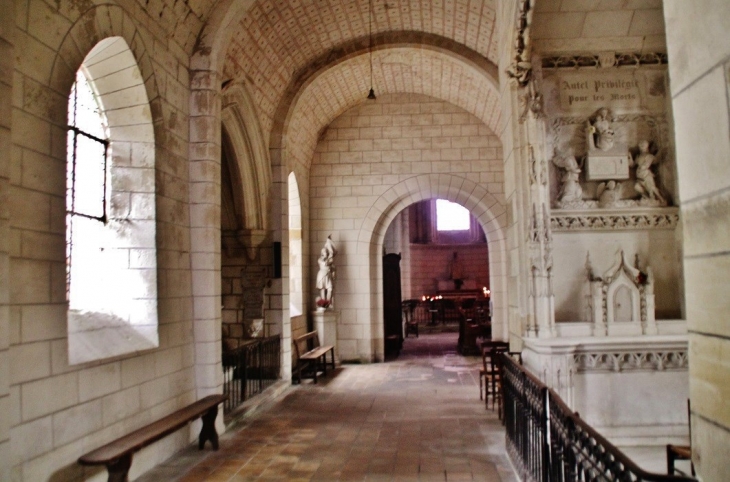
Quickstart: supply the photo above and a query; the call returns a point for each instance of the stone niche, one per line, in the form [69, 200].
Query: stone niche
[621, 301]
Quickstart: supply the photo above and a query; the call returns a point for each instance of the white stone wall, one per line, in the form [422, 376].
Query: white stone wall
[421, 145]
[597, 25]
[56, 412]
[656, 248]
[6, 83]
[699, 51]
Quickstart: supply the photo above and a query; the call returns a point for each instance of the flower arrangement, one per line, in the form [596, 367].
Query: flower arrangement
[322, 303]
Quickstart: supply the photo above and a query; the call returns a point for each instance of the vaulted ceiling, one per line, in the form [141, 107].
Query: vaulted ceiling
[279, 49]
[277, 42]
[396, 70]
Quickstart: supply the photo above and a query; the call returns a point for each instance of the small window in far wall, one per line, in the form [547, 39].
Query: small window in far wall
[451, 216]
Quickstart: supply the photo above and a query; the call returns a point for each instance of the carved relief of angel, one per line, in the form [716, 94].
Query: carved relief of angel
[645, 184]
[570, 189]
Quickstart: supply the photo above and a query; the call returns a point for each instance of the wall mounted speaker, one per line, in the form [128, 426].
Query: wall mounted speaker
[277, 259]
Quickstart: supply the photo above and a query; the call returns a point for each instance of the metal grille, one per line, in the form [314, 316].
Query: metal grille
[250, 369]
[86, 164]
[548, 442]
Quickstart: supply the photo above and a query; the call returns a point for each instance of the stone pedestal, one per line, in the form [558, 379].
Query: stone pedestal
[325, 322]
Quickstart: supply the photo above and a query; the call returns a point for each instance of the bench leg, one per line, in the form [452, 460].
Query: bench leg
[332, 353]
[119, 469]
[208, 431]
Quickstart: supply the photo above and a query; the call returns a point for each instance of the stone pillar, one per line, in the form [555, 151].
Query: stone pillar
[325, 322]
[6, 82]
[698, 48]
[539, 236]
[205, 234]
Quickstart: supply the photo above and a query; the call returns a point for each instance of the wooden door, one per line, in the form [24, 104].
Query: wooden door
[392, 310]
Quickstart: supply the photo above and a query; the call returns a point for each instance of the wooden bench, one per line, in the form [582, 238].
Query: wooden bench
[117, 455]
[311, 357]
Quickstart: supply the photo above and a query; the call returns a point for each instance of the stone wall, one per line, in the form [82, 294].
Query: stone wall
[574, 26]
[6, 86]
[57, 411]
[699, 68]
[243, 284]
[369, 150]
[430, 264]
[656, 248]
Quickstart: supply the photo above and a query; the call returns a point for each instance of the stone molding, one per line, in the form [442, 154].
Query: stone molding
[658, 218]
[634, 360]
[602, 60]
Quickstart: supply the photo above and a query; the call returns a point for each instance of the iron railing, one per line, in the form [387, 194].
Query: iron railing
[250, 369]
[548, 442]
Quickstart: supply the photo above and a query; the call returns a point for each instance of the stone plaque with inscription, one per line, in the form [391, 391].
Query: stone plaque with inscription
[624, 90]
[604, 167]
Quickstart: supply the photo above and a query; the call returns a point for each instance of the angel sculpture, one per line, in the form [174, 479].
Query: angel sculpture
[609, 194]
[570, 189]
[645, 184]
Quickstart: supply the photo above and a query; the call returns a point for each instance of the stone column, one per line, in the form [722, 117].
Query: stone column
[6, 82]
[205, 234]
[539, 235]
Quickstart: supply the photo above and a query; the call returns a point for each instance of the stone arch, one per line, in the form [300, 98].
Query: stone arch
[282, 160]
[361, 47]
[213, 40]
[93, 26]
[483, 205]
[238, 118]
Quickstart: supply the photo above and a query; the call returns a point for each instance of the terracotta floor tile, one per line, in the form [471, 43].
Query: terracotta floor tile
[417, 418]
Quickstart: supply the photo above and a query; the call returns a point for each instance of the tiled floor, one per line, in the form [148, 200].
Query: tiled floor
[418, 418]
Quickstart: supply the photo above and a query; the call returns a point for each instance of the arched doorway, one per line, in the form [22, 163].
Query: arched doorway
[438, 251]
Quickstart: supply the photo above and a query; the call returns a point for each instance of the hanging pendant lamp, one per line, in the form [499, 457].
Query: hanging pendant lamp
[371, 94]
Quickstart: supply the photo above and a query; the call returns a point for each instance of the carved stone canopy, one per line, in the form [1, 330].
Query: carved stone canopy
[621, 302]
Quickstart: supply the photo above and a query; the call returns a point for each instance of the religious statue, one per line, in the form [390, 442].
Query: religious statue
[600, 133]
[570, 189]
[456, 271]
[645, 184]
[326, 273]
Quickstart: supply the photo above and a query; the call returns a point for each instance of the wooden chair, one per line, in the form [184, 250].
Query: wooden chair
[681, 452]
[490, 373]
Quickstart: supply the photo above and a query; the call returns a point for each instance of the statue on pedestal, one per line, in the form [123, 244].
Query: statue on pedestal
[326, 274]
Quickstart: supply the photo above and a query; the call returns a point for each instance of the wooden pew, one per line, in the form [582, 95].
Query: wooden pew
[117, 454]
[311, 357]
